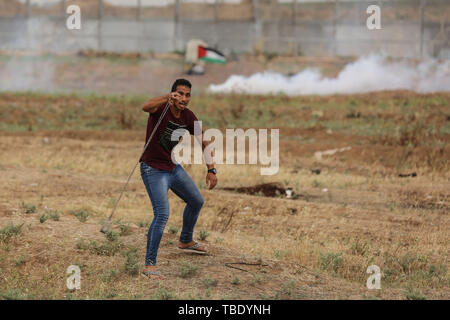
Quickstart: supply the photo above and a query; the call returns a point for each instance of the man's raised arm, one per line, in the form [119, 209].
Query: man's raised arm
[154, 103]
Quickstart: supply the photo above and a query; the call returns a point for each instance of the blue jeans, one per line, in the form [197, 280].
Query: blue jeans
[158, 182]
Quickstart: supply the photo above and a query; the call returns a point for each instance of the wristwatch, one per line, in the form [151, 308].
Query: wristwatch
[213, 170]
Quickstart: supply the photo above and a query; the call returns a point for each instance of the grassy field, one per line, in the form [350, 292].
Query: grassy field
[64, 159]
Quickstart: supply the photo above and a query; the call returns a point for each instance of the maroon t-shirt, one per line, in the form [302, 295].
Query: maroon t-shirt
[157, 154]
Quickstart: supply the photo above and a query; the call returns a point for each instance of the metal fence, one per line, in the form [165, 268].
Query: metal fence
[413, 28]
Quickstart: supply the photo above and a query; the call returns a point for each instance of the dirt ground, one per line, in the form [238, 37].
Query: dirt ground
[369, 175]
[349, 210]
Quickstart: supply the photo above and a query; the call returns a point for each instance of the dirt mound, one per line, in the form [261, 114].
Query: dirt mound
[272, 189]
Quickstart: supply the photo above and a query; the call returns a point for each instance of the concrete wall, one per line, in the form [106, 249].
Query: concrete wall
[400, 39]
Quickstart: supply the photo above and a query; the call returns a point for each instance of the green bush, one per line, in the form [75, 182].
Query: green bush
[43, 218]
[107, 248]
[187, 270]
[112, 236]
[9, 231]
[163, 294]
[52, 214]
[173, 230]
[13, 294]
[131, 262]
[124, 229]
[110, 275]
[82, 214]
[204, 234]
[412, 294]
[28, 207]
[331, 261]
[208, 282]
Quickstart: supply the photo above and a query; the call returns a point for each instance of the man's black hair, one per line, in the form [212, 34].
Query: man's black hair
[181, 82]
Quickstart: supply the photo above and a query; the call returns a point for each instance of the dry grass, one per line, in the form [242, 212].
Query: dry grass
[317, 246]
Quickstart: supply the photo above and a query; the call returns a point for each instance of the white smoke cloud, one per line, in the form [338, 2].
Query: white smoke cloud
[367, 74]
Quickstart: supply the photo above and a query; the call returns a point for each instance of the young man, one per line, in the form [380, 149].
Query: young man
[160, 174]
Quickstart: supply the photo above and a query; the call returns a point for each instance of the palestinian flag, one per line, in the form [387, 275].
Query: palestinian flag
[211, 55]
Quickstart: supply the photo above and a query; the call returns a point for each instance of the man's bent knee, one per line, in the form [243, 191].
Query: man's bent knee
[197, 202]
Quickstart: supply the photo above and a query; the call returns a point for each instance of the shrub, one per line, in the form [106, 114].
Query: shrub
[163, 294]
[173, 230]
[13, 294]
[288, 288]
[112, 236]
[144, 224]
[124, 229]
[330, 261]
[19, 261]
[208, 282]
[52, 214]
[82, 214]
[411, 294]
[204, 234]
[28, 207]
[110, 275]
[9, 231]
[187, 270]
[131, 262]
[43, 218]
[107, 248]
[82, 245]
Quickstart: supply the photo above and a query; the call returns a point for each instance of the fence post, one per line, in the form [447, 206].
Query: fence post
[139, 8]
[27, 9]
[255, 10]
[27, 23]
[99, 30]
[177, 19]
[423, 4]
[216, 10]
[335, 21]
[63, 3]
[258, 42]
[294, 11]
